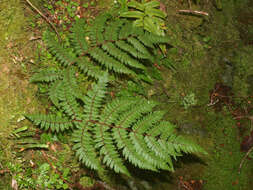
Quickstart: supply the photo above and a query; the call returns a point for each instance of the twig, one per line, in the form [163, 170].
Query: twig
[194, 12]
[43, 16]
[243, 159]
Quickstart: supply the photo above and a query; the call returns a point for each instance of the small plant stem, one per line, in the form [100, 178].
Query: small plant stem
[243, 159]
[43, 16]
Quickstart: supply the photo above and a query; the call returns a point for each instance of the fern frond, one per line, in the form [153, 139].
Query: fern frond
[95, 32]
[132, 51]
[108, 45]
[70, 81]
[142, 148]
[52, 122]
[143, 125]
[112, 30]
[122, 56]
[103, 137]
[125, 129]
[182, 144]
[137, 137]
[64, 95]
[46, 75]
[87, 66]
[69, 103]
[110, 63]
[155, 39]
[79, 38]
[66, 58]
[139, 46]
[54, 91]
[159, 145]
[84, 147]
[126, 30]
[121, 136]
[93, 99]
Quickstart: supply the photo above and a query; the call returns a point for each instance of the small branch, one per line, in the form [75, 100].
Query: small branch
[194, 12]
[43, 16]
[243, 159]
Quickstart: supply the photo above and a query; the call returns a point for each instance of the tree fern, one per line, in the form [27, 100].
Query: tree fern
[126, 128]
[106, 45]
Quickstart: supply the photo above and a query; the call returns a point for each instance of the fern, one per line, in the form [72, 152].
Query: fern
[147, 15]
[126, 128]
[107, 45]
[46, 75]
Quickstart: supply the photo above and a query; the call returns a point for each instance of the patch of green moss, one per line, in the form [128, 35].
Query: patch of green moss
[87, 181]
[243, 84]
[16, 94]
[198, 54]
[222, 170]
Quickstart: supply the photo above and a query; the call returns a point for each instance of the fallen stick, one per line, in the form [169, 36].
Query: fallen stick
[194, 12]
[43, 16]
[244, 158]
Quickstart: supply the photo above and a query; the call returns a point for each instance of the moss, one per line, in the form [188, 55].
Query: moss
[87, 181]
[16, 95]
[243, 70]
[198, 54]
[222, 170]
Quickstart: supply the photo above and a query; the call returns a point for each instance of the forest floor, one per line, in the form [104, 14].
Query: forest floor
[213, 60]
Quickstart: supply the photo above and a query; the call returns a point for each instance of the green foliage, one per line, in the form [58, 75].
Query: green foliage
[189, 100]
[131, 89]
[24, 139]
[63, 12]
[123, 5]
[23, 179]
[226, 153]
[43, 177]
[147, 15]
[51, 180]
[126, 128]
[107, 45]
